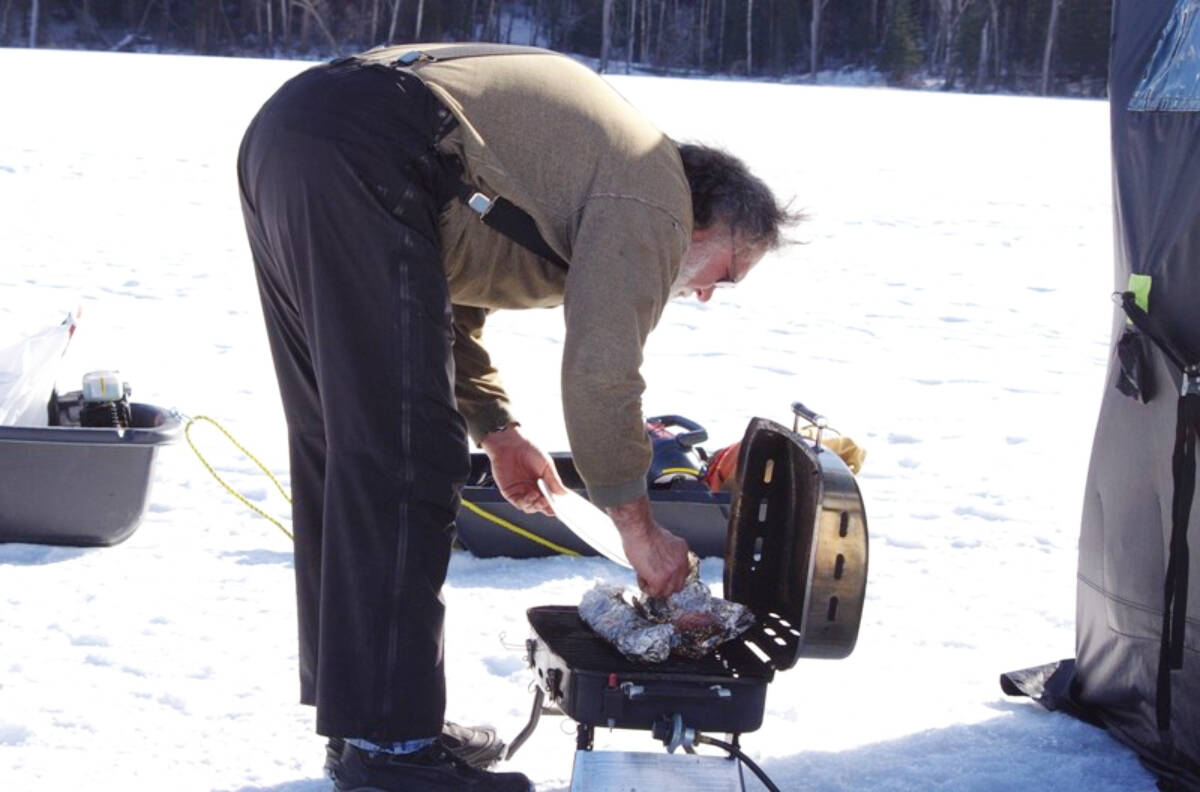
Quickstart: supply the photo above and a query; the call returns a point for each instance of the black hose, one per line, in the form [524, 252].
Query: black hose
[746, 760]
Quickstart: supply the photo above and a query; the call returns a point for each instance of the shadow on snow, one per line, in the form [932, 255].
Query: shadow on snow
[38, 555]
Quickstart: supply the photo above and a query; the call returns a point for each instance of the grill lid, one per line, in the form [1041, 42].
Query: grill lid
[796, 550]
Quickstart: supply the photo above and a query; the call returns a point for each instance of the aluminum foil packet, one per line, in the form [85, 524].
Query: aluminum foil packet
[690, 623]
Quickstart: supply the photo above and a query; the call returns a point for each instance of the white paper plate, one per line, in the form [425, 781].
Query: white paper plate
[588, 523]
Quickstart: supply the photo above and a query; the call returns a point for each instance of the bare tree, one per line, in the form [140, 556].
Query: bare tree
[949, 15]
[605, 33]
[721, 38]
[662, 26]
[285, 21]
[647, 25]
[994, 41]
[749, 37]
[420, 14]
[270, 22]
[814, 32]
[33, 23]
[314, 14]
[982, 68]
[492, 27]
[391, 36]
[629, 41]
[1048, 52]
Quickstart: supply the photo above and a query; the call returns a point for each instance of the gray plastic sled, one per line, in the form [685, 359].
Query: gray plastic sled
[69, 485]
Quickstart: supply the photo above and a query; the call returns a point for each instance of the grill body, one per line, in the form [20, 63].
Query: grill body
[795, 554]
[593, 684]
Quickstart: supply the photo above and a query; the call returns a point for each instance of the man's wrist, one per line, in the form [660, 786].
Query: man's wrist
[499, 434]
[632, 519]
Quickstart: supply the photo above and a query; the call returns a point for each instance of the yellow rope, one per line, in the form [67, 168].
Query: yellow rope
[689, 471]
[530, 535]
[187, 432]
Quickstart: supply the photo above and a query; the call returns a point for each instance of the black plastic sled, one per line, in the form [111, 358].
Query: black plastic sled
[489, 526]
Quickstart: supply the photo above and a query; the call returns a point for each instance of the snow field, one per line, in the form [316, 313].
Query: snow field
[949, 310]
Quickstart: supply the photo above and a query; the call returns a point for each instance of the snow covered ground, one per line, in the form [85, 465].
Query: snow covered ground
[950, 311]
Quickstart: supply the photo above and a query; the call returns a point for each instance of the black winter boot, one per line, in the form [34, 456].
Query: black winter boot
[430, 769]
[478, 746]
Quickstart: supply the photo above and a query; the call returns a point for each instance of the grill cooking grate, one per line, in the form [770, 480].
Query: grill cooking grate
[561, 629]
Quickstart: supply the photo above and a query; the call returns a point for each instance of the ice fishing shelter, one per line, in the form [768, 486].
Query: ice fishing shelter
[1137, 664]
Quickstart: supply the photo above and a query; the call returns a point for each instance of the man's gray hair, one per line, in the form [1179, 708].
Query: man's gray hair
[724, 190]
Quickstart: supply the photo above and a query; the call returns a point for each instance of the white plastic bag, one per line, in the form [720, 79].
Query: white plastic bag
[27, 373]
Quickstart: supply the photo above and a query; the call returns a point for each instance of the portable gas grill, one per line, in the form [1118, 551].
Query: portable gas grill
[795, 554]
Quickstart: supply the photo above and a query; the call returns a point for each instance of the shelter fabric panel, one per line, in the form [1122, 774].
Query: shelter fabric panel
[1127, 519]
[1172, 79]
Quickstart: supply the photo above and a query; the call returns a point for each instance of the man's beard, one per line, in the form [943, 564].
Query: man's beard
[694, 261]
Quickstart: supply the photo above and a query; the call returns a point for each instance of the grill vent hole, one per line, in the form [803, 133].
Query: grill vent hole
[833, 606]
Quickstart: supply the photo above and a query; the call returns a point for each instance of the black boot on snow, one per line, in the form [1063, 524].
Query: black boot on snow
[430, 769]
[478, 746]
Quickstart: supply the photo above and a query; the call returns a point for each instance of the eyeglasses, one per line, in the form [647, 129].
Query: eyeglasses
[730, 280]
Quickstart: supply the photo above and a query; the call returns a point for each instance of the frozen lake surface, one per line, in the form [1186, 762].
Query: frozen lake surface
[949, 310]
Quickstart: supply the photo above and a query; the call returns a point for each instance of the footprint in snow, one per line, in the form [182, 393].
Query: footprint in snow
[89, 640]
[503, 666]
[12, 734]
[174, 702]
[904, 544]
[901, 439]
[971, 511]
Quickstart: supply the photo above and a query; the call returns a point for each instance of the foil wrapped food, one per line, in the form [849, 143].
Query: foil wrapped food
[690, 623]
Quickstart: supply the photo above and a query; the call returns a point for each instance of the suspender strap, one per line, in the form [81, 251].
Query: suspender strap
[1183, 469]
[500, 214]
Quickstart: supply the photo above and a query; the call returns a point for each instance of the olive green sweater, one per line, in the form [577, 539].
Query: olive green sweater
[608, 193]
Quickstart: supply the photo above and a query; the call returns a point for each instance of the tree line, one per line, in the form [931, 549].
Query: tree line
[1041, 46]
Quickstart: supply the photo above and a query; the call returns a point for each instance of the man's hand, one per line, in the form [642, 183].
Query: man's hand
[659, 557]
[517, 464]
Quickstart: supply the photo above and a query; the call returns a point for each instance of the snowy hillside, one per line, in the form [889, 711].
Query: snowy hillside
[950, 311]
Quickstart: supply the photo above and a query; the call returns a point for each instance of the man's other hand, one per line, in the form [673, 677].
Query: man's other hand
[517, 464]
[659, 557]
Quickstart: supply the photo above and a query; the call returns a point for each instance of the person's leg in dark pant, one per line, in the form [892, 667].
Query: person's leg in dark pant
[341, 211]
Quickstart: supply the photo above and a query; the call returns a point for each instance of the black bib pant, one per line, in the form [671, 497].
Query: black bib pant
[338, 177]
